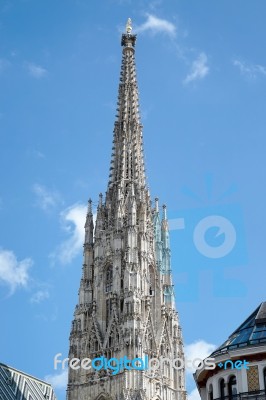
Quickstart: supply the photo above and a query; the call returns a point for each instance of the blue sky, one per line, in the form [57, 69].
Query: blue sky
[202, 79]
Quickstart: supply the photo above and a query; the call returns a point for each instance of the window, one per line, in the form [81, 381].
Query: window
[242, 336]
[151, 281]
[222, 387]
[264, 378]
[232, 388]
[210, 392]
[259, 332]
[166, 369]
[151, 292]
[109, 279]
[108, 311]
[93, 343]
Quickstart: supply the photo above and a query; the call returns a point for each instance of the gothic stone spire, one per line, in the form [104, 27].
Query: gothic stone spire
[126, 305]
[127, 163]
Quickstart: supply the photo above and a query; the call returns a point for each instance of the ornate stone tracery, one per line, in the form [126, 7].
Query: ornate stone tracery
[126, 301]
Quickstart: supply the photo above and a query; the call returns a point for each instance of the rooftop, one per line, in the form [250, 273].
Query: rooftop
[251, 332]
[16, 384]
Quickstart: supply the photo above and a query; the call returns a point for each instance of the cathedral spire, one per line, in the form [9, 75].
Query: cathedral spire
[89, 225]
[127, 163]
[126, 307]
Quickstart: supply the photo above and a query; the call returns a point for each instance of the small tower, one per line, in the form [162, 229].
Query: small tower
[126, 305]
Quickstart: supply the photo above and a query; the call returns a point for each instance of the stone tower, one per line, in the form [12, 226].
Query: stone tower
[126, 305]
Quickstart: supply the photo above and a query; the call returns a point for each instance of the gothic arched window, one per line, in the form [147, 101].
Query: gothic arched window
[93, 343]
[108, 311]
[151, 281]
[222, 387]
[210, 392]
[232, 387]
[109, 279]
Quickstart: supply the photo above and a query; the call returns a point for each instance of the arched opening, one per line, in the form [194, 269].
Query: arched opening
[151, 281]
[232, 387]
[222, 388]
[108, 311]
[103, 397]
[150, 342]
[109, 279]
[210, 392]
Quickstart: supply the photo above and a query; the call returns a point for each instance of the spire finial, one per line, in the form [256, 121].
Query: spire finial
[164, 212]
[100, 200]
[129, 26]
[156, 204]
[89, 206]
[128, 40]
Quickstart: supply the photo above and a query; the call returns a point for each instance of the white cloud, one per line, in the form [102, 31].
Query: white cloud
[58, 381]
[199, 349]
[154, 4]
[46, 199]
[14, 273]
[39, 296]
[73, 219]
[250, 70]
[157, 25]
[199, 69]
[194, 395]
[36, 71]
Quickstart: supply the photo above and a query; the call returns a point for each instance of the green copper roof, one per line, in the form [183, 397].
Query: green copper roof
[252, 332]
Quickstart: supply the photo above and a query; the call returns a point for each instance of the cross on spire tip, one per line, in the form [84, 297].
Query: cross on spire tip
[129, 26]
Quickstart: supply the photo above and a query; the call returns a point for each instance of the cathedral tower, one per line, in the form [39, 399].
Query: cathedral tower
[126, 307]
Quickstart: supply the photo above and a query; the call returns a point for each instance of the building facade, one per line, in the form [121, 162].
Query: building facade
[240, 371]
[126, 300]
